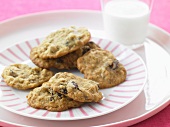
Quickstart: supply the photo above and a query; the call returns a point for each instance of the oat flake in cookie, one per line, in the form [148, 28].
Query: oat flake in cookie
[21, 76]
[45, 98]
[101, 66]
[63, 41]
[77, 88]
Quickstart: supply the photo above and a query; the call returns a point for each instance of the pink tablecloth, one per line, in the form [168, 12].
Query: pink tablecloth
[160, 16]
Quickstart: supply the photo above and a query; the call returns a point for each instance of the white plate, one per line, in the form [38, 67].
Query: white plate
[113, 98]
[31, 26]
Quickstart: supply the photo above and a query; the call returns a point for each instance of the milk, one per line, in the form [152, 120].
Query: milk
[126, 21]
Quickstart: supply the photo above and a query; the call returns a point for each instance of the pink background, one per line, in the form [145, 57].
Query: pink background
[11, 8]
[160, 16]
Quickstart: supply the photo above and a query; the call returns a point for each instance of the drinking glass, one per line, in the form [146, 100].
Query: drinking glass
[126, 21]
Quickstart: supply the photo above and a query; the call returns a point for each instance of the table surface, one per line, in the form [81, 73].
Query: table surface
[160, 16]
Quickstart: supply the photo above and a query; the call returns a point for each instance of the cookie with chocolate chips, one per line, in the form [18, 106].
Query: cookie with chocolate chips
[68, 61]
[77, 88]
[45, 98]
[63, 41]
[101, 66]
[21, 76]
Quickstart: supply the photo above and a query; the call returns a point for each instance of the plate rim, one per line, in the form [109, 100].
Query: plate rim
[86, 117]
[162, 105]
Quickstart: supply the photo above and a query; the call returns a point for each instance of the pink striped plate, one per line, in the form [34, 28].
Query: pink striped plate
[114, 98]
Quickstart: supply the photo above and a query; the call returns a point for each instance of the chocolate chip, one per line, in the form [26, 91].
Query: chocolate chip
[12, 73]
[51, 98]
[64, 91]
[50, 91]
[67, 43]
[75, 84]
[86, 49]
[62, 84]
[114, 65]
[59, 95]
[79, 38]
[91, 42]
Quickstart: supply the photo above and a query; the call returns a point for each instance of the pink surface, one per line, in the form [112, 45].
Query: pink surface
[160, 16]
[12, 8]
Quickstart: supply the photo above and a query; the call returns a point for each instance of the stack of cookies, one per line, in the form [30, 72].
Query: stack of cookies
[62, 48]
[66, 48]
[70, 48]
[57, 92]
[63, 91]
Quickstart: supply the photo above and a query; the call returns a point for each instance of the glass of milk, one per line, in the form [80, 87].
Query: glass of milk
[126, 21]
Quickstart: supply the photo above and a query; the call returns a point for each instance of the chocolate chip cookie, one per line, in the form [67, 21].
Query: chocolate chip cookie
[77, 88]
[68, 61]
[101, 66]
[21, 76]
[63, 41]
[45, 98]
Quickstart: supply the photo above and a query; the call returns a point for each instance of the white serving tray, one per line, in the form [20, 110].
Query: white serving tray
[155, 53]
